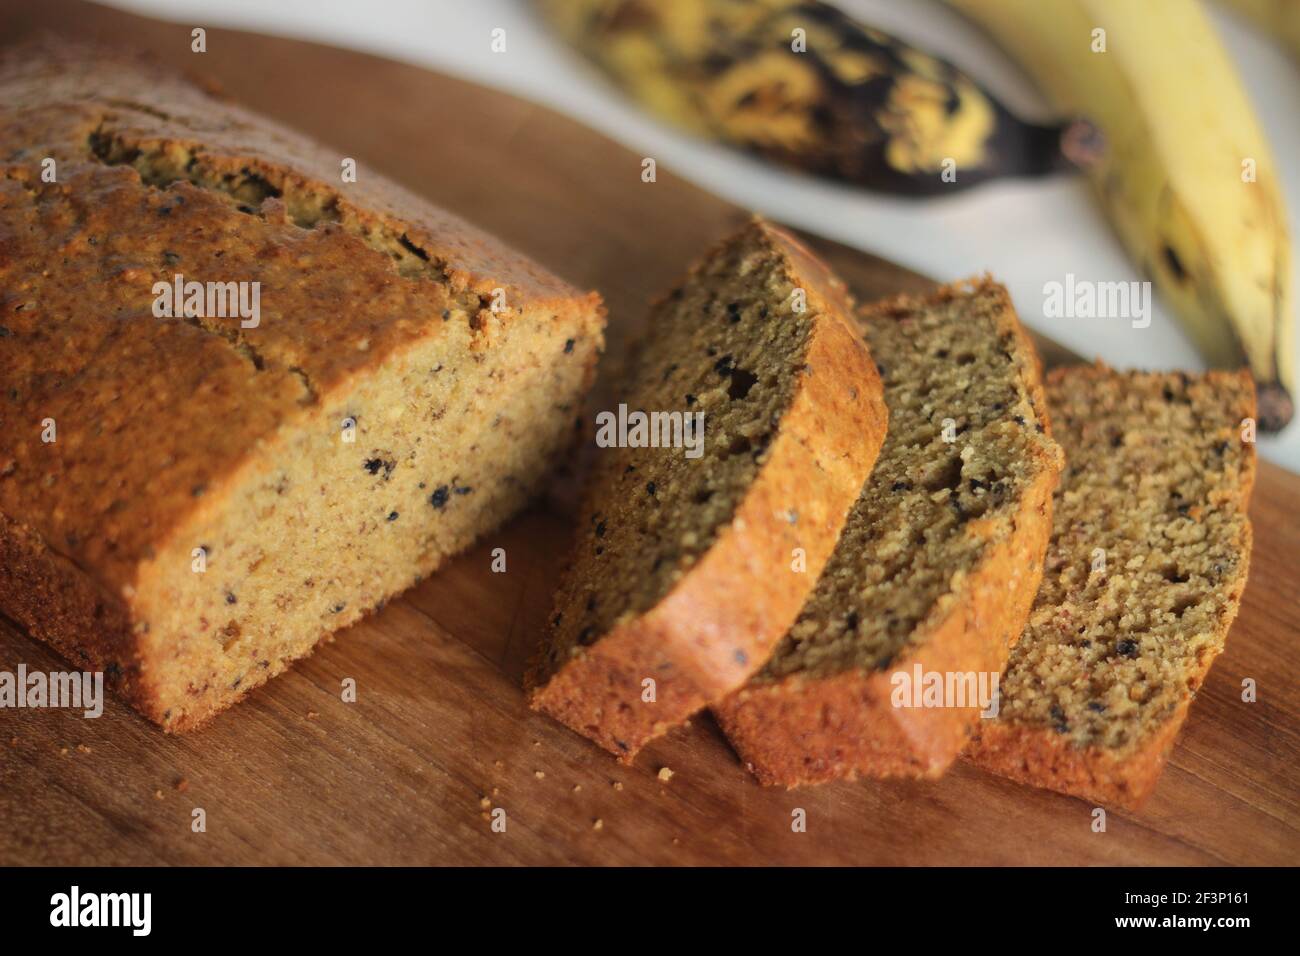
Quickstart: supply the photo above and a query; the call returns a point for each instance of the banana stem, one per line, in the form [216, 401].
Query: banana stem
[1082, 143]
[1275, 406]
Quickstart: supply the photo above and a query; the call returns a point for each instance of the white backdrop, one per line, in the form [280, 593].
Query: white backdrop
[1025, 233]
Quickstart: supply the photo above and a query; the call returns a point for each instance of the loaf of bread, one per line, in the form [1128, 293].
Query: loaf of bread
[245, 399]
[1145, 572]
[938, 563]
[689, 564]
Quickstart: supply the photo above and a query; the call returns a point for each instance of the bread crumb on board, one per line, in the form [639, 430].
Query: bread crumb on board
[598, 824]
[665, 774]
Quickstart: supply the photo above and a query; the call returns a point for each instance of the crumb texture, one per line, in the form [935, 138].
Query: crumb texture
[1147, 562]
[966, 439]
[727, 345]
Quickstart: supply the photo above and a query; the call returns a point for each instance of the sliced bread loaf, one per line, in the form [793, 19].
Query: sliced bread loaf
[938, 562]
[1145, 571]
[244, 401]
[686, 569]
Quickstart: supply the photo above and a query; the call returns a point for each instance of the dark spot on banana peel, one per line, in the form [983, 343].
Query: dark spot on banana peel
[1175, 264]
[857, 105]
[633, 15]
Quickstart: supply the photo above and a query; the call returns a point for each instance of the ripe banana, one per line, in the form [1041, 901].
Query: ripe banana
[1281, 18]
[1182, 147]
[802, 84]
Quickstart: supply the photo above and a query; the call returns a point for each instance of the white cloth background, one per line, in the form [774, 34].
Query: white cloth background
[1025, 233]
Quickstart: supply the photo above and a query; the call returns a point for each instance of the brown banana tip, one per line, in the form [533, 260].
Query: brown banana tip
[1274, 406]
[1082, 143]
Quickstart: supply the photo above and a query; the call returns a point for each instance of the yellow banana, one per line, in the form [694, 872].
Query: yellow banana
[1281, 18]
[799, 82]
[1187, 178]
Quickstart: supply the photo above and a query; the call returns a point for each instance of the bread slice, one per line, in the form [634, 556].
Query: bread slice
[938, 562]
[686, 570]
[1145, 571]
[220, 492]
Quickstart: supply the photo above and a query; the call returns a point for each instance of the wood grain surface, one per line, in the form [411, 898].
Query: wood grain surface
[440, 730]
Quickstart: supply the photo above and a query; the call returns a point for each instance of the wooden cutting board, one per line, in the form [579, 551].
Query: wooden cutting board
[440, 731]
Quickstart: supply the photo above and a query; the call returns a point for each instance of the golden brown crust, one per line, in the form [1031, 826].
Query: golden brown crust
[799, 730]
[720, 621]
[49, 596]
[114, 236]
[1042, 758]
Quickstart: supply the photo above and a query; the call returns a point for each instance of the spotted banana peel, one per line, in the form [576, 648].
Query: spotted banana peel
[1187, 177]
[803, 84]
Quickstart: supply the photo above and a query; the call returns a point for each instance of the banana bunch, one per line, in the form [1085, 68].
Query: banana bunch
[1187, 178]
[1281, 18]
[803, 84]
